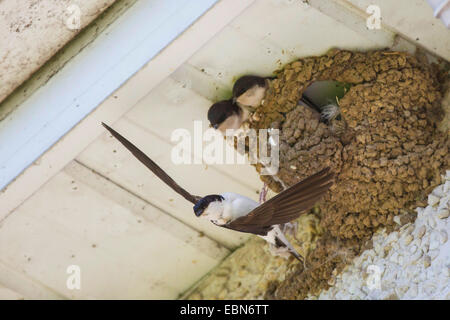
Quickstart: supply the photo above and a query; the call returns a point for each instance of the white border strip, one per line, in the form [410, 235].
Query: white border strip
[110, 110]
[136, 37]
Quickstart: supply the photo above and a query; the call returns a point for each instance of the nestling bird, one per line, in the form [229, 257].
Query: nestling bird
[225, 115]
[248, 94]
[236, 212]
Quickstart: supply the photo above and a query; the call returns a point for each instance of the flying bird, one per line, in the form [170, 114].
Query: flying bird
[236, 212]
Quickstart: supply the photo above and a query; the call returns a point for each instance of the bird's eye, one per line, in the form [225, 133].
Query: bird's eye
[216, 126]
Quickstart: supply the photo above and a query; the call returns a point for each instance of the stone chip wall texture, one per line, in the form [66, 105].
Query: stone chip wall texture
[410, 263]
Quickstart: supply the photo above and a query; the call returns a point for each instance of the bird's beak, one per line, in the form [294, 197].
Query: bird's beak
[198, 213]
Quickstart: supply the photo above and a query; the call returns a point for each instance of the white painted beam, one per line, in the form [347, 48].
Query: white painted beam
[110, 109]
[136, 37]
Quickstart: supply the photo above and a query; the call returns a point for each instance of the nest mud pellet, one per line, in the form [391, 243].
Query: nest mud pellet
[386, 149]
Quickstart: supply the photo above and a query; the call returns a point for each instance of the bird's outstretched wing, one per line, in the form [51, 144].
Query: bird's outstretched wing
[149, 163]
[285, 206]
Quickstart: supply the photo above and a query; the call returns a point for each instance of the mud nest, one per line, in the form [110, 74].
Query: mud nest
[386, 149]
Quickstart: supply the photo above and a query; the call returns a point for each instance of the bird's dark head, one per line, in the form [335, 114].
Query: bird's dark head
[249, 90]
[246, 83]
[204, 202]
[221, 111]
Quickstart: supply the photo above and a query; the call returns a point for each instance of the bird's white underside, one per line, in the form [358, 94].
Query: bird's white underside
[234, 206]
